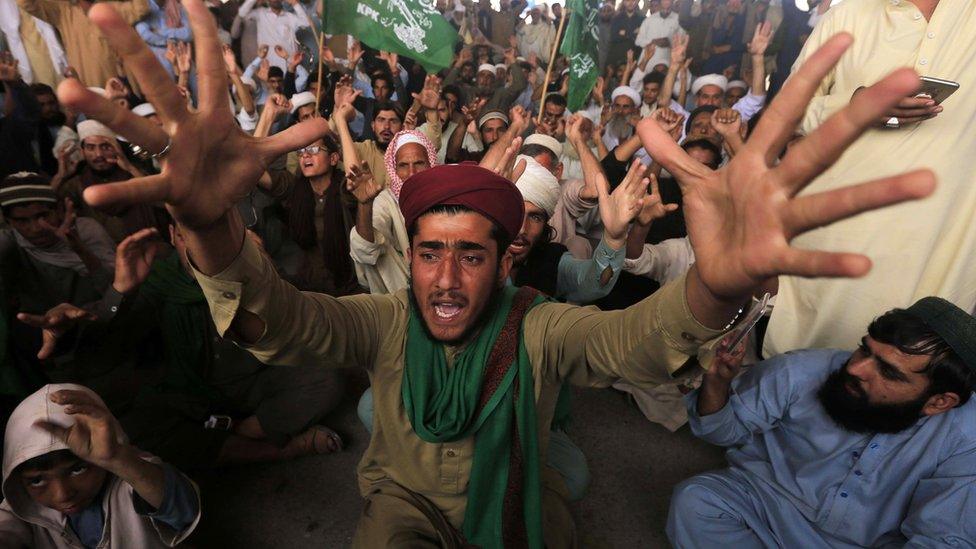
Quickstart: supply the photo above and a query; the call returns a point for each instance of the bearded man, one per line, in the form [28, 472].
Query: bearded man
[455, 452]
[624, 105]
[829, 448]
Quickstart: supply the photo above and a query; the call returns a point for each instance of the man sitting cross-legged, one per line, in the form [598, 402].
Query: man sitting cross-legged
[827, 448]
[455, 452]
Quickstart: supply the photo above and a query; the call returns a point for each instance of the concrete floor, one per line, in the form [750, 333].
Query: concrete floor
[314, 502]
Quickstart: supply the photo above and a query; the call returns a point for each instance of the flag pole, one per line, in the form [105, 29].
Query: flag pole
[552, 60]
[318, 90]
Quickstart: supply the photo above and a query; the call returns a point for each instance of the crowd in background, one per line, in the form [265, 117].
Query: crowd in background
[140, 333]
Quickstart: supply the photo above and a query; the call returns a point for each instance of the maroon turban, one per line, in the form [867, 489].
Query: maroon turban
[467, 185]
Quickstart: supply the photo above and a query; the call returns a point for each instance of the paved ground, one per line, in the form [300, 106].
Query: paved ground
[314, 502]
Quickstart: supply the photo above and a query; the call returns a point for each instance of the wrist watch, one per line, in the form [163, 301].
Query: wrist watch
[892, 123]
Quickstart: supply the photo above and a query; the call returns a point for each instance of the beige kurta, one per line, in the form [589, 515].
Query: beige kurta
[87, 50]
[919, 248]
[382, 265]
[645, 344]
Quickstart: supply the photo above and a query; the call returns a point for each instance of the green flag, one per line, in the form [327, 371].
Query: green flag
[580, 47]
[413, 28]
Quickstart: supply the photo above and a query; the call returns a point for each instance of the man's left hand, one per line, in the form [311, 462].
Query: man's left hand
[742, 217]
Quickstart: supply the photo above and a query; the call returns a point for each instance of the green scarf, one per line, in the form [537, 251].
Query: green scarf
[183, 317]
[446, 404]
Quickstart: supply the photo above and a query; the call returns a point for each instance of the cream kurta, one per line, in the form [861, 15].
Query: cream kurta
[88, 51]
[919, 248]
[645, 344]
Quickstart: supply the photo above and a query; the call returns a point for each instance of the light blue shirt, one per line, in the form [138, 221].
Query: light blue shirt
[261, 94]
[868, 490]
[578, 280]
[153, 30]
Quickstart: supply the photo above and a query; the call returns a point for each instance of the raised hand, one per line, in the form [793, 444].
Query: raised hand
[170, 55]
[209, 162]
[54, 324]
[727, 122]
[760, 39]
[184, 56]
[355, 54]
[742, 217]
[361, 183]
[264, 70]
[669, 121]
[66, 230]
[133, 260]
[229, 60]
[263, 51]
[654, 207]
[281, 52]
[519, 118]
[296, 59]
[430, 95]
[344, 93]
[278, 104]
[679, 49]
[95, 437]
[619, 208]
[392, 61]
[328, 57]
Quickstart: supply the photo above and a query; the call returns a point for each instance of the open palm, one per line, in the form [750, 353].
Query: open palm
[742, 217]
[205, 146]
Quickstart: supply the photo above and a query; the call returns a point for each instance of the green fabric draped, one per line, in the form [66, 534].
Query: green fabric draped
[183, 316]
[441, 403]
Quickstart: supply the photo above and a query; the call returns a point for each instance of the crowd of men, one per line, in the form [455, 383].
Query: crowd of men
[210, 212]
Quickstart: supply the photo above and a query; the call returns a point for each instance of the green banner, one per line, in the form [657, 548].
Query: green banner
[580, 47]
[413, 28]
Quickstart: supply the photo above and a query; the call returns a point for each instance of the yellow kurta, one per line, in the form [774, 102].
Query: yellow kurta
[87, 50]
[645, 344]
[919, 248]
[37, 52]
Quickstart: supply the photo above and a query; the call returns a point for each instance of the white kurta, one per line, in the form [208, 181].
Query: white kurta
[653, 28]
[276, 29]
[920, 248]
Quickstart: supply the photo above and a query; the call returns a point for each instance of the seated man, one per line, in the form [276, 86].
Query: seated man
[444, 465]
[106, 163]
[262, 413]
[833, 449]
[68, 469]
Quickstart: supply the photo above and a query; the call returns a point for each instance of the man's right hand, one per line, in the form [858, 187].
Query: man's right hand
[209, 163]
[133, 260]
[54, 324]
[909, 110]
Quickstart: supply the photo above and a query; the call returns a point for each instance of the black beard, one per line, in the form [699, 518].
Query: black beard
[856, 414]
[482, 319]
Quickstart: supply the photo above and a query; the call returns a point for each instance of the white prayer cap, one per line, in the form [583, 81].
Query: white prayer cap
[492, 115]
[589, 115]
[546, 141]
[538, 185]
[405, 138]
[143, 110]
[93, 128]
[709, 80]
[737, 84]
[99, 91]
[300, 100]
[626, 91]
[501, 67]
[486, 67]
[459, 7]
[520, 59]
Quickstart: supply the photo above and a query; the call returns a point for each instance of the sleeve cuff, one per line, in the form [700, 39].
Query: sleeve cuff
[678, 326]
[225, 291]
[702, 425]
